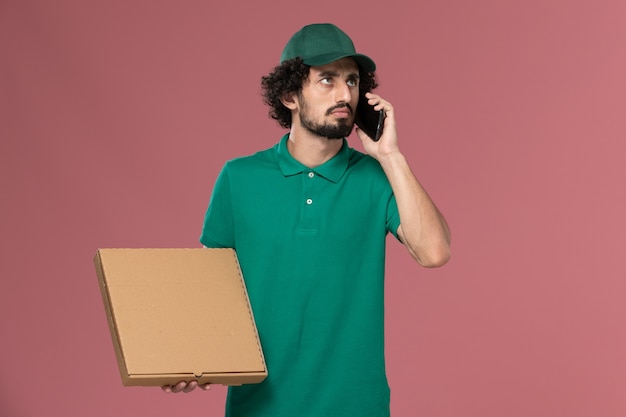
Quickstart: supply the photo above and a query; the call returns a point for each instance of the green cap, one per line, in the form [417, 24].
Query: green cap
[323, 43]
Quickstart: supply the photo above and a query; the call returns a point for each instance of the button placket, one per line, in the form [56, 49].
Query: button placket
[309, 200]
[309, 186]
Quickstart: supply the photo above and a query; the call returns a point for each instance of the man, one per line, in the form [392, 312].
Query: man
[308, 219]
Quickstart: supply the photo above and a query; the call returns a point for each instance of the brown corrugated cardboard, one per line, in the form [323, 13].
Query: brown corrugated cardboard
[179, 314]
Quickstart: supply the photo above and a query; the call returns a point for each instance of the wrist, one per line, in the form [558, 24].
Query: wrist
[391, 159]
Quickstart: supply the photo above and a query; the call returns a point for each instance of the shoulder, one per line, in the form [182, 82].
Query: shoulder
[259, 160]
[364, 165]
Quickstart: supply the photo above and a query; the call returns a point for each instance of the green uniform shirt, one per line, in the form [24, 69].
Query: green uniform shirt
[311, 244]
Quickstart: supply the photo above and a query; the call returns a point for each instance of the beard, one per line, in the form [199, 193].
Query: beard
[338, 130]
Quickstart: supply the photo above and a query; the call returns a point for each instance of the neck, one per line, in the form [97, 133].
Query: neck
[311, 150]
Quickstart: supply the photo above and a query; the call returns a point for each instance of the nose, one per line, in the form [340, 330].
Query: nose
[343, 93]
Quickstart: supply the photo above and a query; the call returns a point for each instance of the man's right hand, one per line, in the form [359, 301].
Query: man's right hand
[185, 387]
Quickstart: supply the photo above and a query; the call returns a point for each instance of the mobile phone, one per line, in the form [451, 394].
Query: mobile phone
[369, 120]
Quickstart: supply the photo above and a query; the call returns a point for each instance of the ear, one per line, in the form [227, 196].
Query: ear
[289, 100]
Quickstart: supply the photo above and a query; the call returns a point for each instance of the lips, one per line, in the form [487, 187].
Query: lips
[341, 112]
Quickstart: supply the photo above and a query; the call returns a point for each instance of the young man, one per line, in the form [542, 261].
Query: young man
[309, 218]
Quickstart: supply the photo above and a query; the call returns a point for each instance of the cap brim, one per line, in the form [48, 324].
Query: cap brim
[364, 62]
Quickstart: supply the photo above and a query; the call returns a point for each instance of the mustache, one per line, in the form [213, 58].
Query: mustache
[339, 106]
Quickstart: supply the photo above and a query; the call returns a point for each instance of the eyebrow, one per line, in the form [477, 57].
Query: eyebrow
[324, 74]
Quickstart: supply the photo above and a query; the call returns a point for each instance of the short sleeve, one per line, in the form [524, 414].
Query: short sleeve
[393, 217]
[218, 229]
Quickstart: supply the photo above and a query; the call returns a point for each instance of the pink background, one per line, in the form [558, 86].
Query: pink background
[116, 116]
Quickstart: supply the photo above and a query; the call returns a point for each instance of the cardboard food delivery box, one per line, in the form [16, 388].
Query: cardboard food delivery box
[179, 315]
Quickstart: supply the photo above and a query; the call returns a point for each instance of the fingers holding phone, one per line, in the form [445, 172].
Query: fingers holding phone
[376, 137]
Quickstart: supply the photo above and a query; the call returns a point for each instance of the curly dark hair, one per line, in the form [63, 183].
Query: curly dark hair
[288, 78]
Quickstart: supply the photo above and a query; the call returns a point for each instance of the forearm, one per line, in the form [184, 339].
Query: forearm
[423, 229]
